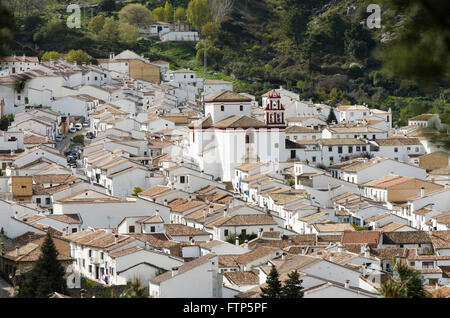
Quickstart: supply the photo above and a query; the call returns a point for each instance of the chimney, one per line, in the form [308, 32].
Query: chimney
[303, 251]
[17, 251]
[363, 268]
[362, 248]
[82, 293]
[192, 242]
[165, 202]
[211, 209]
[246, 244]
[190, 198]
[260, 233]
[237, 241]
[331, 257]
[116, 238]
[283, 256]
[204, 213]
[340, 249]
[422, 192]
[174, 271]
[367, 252]
[147, 246]
[157, 211]
[225, 212]
[347, 284]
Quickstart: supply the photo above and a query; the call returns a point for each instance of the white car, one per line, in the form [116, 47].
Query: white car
[78, 126]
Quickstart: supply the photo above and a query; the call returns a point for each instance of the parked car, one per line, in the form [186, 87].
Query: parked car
[72, 130]
[78, 126]
[90, 135]
[77, 148]
[86, 123]
[71, 159]
[58, 138]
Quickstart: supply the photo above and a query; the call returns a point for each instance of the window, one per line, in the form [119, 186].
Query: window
[330, 149]
[358, 148]
[313, 159]
[90, 253]
[182, 179]
[222, 108]
[244, 232]
[247, 139]
[364, 148]
[90, 268]
[409, 148]
[192, 76]
[292, 154]
[331, 160]
[38, 201]
[417, 149]
[395, 149]
[101, 255]
[241, 108]
[47, 201]
[74, 230]
[225, 232]
[84, 263]
[374, 137]
[152, 229]
[340, 149]
[131, 229]
[350, 149]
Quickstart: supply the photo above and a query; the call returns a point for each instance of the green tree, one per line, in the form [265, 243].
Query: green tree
[420, 45]
[7, 27]
[294, 20]
[292, 286]
[134, 290]
[331, 116]
[137, 190]
[78, 139]
[180, 15]
[273, 289]
[110, 32]
[168, 12]
[211, 30]
[50, 55]
[406, 283]
[128, 33]
[107, 5]
[135, 14]
[198, 13]
[47, 275]
[96, 24]
[78, 56]
[158, 14]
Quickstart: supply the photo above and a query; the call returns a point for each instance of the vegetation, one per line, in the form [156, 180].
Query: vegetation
[290, 289]
[47, 275]
[273, 289]
[5, 121]
[137, 190]
[242, 238]
[134, 290]
[78, 139]
[52, 55]
[78, 56]
[407, 283]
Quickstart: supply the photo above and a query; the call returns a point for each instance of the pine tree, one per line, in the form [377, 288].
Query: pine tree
[273, 289]
[331, 117]
[292, 287]
[47, 275]
[134, 290]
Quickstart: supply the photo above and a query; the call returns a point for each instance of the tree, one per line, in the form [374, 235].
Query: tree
[78, 139]
[211, 30]
[331, 116]
[180, 15]
[134, 290]
[47, 275]
[406, 283]
[108, 5]
[292, 286]
[198, 13]
[220, 9]
[168, 12]
[418, 48]
[136, 14]
[78, 56]
[128, 33]
[50, 55]
[110, 31]
[96, 24]
[158, 14]
[273, 289]
[137, 190]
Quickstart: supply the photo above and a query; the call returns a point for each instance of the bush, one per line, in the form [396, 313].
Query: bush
[78, 139]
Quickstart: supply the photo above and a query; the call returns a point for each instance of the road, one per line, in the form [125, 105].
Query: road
[6, 290]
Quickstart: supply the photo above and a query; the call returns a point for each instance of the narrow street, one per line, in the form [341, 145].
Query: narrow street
[6, 290]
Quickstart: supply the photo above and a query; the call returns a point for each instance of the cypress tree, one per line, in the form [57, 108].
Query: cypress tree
[273, 289]
[331, 117]
[47, 275]
[292, 287]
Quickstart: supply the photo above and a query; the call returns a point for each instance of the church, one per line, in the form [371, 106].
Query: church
[228, 136]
